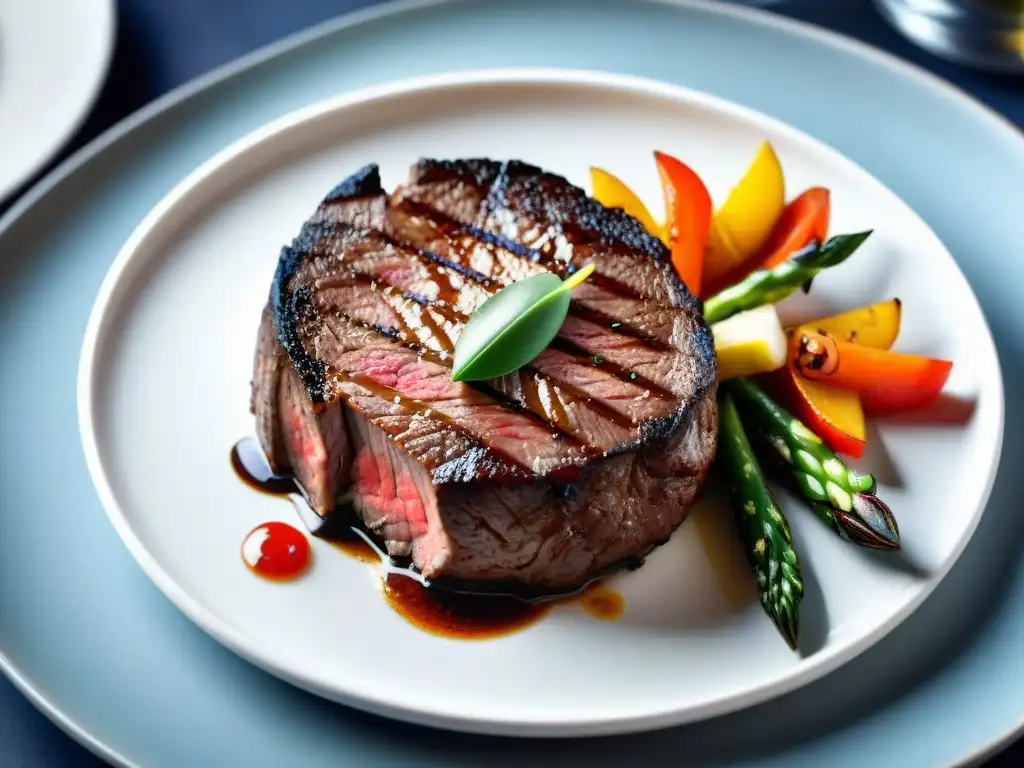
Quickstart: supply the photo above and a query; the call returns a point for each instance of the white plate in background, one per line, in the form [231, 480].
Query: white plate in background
[54, 56]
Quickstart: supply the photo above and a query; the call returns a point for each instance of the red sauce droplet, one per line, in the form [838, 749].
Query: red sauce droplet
[276, 551]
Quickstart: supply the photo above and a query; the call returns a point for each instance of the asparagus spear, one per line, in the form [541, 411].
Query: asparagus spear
[841, 497]
[762, 526]
[767, 286]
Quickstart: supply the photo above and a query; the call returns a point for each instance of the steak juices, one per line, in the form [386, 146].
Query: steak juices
[544, 479]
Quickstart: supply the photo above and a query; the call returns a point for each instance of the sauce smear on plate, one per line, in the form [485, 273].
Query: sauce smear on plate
[601, 602]
[275, 551]
[459, 615]
[251, 467]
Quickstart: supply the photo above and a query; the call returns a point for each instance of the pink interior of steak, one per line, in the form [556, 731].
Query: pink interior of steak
[394, 497]
[587, 457]
[315, 442]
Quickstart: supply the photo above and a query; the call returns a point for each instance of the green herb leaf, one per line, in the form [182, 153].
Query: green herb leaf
[514, 326]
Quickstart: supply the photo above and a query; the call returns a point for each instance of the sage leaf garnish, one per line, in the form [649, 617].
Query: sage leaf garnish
[514, 326]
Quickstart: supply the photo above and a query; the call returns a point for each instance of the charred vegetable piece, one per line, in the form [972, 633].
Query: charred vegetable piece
[876, 325]
[887, 382]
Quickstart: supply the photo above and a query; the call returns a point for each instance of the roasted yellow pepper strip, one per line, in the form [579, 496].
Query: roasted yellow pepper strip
[611, 192]
[746, 218]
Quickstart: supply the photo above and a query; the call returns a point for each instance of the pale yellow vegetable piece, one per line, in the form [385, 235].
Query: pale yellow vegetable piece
[749, 343]
[742, 223]
[875, 325]
[612, 192]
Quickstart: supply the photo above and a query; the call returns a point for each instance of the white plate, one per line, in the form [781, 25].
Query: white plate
[163, 395]
[54, 55]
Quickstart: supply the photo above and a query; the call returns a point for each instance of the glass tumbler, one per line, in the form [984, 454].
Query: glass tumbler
[987, 34]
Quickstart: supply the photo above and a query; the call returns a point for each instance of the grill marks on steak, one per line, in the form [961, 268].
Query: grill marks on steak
[376, 373]
[406, 376]
[633, 286]
[426, 304]
[526, 207]
[569, 391]
[666, 346]
[563, 401]
[588, 457]
[494, 258]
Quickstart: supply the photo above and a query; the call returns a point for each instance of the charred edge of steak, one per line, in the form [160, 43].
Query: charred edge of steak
[292, 310]
[363, 183]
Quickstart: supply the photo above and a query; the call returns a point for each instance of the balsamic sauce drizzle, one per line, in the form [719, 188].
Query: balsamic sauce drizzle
[444, 607]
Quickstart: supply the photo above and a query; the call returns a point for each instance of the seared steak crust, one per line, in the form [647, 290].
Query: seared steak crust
[586, 458]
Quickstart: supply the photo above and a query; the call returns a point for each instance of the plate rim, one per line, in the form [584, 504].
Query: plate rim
[393, 8]
[257, 653]
[109, 35]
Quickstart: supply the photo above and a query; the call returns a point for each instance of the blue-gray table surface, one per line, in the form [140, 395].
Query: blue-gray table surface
[164, 43]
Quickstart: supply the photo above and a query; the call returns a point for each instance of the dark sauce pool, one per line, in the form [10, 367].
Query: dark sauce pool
[251, 467]
[444, 608]
[458, 614]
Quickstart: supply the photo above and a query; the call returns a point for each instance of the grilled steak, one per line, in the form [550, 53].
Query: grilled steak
[583, 460]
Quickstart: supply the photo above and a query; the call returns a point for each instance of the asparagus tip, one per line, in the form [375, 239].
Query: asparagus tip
[785, 615]
[869, 523]
[786, 622]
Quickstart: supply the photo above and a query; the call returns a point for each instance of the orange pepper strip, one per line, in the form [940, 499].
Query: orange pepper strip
[687, 218]
[887, 382]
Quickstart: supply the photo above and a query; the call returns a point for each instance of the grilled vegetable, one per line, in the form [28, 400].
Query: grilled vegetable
[887, 381]
[761, 525]
[833, 414]
[804, 219]
[767, 286]
[687, 218]
[742, 224]
[749, 343]
[876, 325]
[838, 495]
